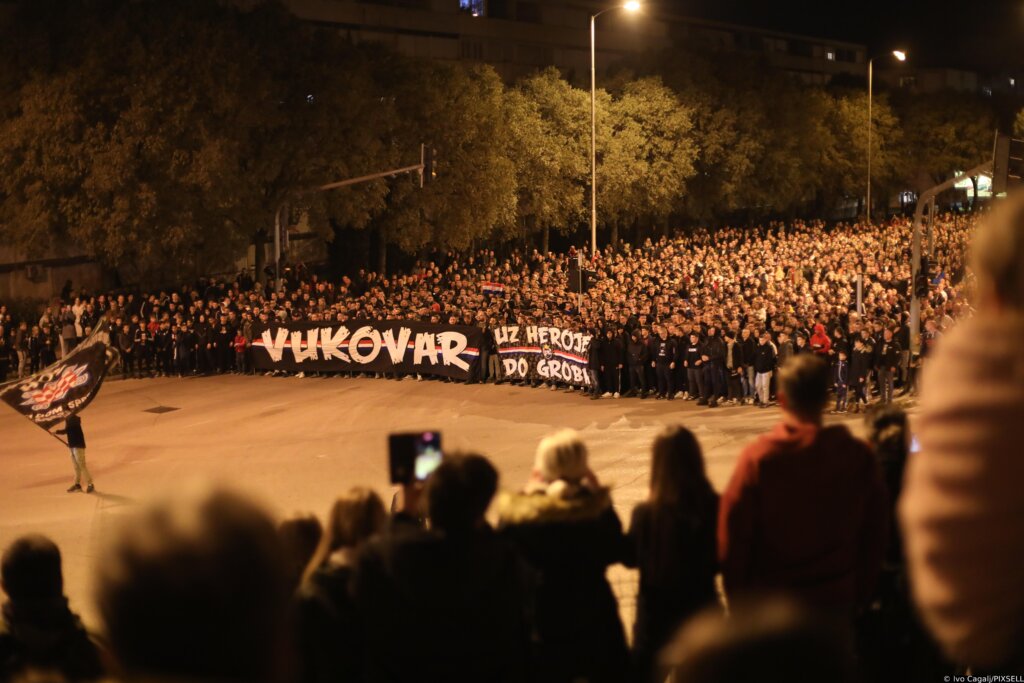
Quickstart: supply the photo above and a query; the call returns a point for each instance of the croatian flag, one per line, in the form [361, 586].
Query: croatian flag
[492, 288]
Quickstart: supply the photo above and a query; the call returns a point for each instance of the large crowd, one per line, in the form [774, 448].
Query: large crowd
[707, 315]
[825, 558]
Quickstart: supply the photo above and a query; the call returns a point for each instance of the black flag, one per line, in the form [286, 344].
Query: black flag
[52, 395]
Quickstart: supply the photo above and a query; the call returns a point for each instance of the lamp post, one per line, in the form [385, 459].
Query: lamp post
[901, 56]
[631, 6]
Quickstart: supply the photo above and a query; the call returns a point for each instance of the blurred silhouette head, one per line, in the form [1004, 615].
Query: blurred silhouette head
[771, 641]
[354, 518]
[459, 492]
[997, 253]
[31, 569]
[803, 386]
[678, 476]
[196, 588]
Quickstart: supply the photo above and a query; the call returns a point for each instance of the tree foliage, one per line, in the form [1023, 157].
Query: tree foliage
[164, 137]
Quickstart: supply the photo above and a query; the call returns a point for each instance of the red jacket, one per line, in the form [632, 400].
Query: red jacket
[804, 512]
[819, 341]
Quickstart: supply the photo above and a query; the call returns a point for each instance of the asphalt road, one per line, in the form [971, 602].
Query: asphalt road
[296, 444]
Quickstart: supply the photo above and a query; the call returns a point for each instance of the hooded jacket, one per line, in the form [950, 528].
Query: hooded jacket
[820, 342]
[804, 512]
[570, 539]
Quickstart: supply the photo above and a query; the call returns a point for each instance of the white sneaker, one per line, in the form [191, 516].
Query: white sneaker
[301, 375]
[680, 394]
[553, 387]
[419, 377]
[616, 395]
[606, 394]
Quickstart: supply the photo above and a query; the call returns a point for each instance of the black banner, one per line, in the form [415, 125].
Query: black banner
[52, 395]
[369, 346]
[546, 354]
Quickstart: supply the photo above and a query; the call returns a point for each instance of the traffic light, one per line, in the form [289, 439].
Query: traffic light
[1008, 164]
[430, 165]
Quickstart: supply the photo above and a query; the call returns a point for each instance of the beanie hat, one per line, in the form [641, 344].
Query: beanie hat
[561, 455]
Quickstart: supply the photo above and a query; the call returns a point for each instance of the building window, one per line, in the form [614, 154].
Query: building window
[474, 7]
[830, 55]
[1013, 82]
[528, 11]
[986, 91]
[471, 49]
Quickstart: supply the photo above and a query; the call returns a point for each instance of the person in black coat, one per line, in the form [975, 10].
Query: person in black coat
[860, 365]
[329, 639]
[663, 359]
[564, 525]
[637, 355]
[713, 357]
[613, 357]
[76, 443]
[594, 365]
[38, 632]
[451, 603]
[672, 541]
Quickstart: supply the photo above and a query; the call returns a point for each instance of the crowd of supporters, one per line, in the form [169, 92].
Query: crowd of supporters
[708, 315]
[825, 558]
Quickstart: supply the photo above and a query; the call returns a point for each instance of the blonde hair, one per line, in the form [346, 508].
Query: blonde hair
[355, 517]
[997, 252]
[562, 455]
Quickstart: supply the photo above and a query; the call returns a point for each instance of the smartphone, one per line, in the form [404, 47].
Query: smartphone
[413, 456]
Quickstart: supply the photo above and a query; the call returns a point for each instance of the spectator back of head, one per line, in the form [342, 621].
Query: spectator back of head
[997, 253]
[770, 641]
[196, 589]
[459, 492]
[562, 455]
[31, 570]
[803, 384]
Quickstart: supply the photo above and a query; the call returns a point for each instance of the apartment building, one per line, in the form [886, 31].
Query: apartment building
[520, 36]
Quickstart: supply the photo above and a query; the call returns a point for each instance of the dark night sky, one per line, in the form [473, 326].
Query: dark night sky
[987, 35]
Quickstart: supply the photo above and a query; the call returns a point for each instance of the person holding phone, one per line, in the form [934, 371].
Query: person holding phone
[420, 592]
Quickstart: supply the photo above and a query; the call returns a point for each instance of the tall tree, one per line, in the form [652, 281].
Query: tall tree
[946, 133]
[549, 124]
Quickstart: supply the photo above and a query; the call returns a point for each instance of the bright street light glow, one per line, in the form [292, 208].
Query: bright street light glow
[632, 6]
[900, 55]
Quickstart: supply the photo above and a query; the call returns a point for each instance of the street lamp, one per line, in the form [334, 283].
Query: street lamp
[901, 56]
[631, 6]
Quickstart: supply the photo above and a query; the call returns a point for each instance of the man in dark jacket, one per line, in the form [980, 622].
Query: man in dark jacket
[612, 358]
[636, 358]
[860, 365]
[76, 442]
[447, 604]
[805, 510]
[664, 361]
[764, 365]
[713, 357]
[694, 368]
[889, 354]
[594, 365]
[745, 363]
[38, 631]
